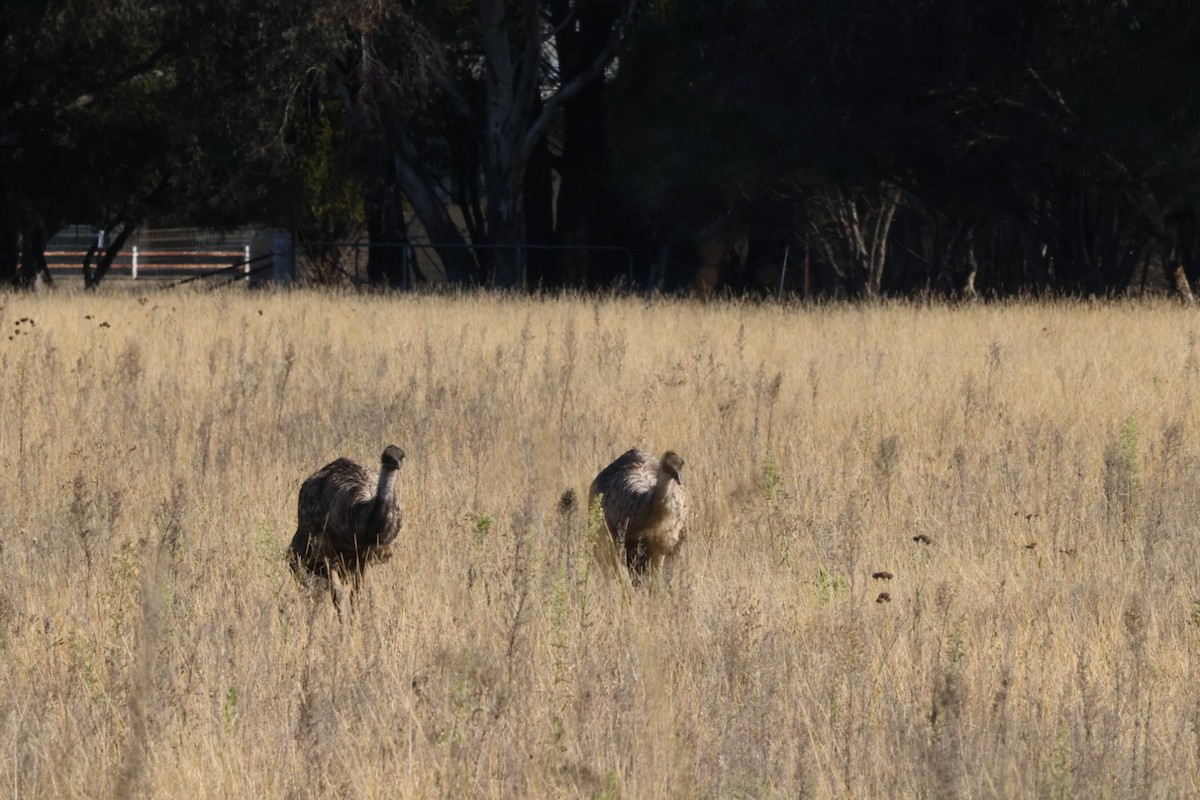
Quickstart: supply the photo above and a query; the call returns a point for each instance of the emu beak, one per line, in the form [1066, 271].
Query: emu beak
[679, 478]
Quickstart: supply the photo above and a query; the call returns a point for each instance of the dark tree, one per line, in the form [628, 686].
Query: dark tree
[459, 101]
[934, 145]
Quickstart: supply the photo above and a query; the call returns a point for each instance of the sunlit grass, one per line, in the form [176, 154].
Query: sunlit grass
[1027, 474]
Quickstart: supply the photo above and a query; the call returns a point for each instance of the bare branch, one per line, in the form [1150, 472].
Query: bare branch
[568, 90]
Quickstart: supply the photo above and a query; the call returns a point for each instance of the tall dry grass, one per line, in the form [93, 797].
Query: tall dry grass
[1043, 642]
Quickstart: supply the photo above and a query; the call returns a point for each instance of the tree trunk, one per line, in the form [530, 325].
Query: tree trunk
[509, 110]
[880, 236]
[581, 202]
[1176, 276]
[33, 259]
[968, 289]
[387, 265]
[92, 278]
[460, 265]
[1033, 251]
[372, 102]
[858, 243]
[506, 229]
[10, 256]
[507, 100]
[539, 221]
[1170, 233]
[517, 113]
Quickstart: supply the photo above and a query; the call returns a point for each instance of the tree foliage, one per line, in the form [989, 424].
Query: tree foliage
[1053, 143]
[888, 147]
[115, 113]
[454, 105]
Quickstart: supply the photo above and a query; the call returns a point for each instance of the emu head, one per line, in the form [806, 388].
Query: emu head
[672, 465]
[392, 457]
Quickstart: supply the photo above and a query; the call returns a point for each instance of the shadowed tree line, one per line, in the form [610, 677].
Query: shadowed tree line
[846, 148]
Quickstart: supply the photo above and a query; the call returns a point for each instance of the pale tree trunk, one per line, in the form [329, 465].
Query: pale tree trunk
[459, 263]
[880, 230]
[516, 118]
[862, 225]
[92, 276]
[1172, 232]
[373, 101]
[1168, 231]
[512, 81]
[968, 289]
[505, 104]
[1173, 265]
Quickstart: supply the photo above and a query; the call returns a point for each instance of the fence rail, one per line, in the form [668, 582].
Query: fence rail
[176, 253]
[151, 263]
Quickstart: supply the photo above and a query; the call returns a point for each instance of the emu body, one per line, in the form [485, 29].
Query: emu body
[645, 507]
[347, 517]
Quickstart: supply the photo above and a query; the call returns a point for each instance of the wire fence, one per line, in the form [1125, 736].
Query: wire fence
[422, 262]
[157, 253]
[183, 255]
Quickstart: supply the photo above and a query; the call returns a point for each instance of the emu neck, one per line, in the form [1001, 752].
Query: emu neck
[658, 502]
[386, 491]
[384, 501]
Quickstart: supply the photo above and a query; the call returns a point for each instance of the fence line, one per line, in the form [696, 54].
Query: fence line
[151, 254]
[411, 250]
[157, 253]
[248, 271]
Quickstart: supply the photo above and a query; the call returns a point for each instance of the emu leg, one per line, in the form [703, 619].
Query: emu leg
[339, 592]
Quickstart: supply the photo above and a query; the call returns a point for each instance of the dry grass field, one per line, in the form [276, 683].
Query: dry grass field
[1027, 474]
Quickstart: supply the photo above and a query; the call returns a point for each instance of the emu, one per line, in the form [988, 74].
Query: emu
[645, 508]
[347, 518]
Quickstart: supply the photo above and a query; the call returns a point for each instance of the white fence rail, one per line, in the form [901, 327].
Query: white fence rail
[173, 259]
[177, 252]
